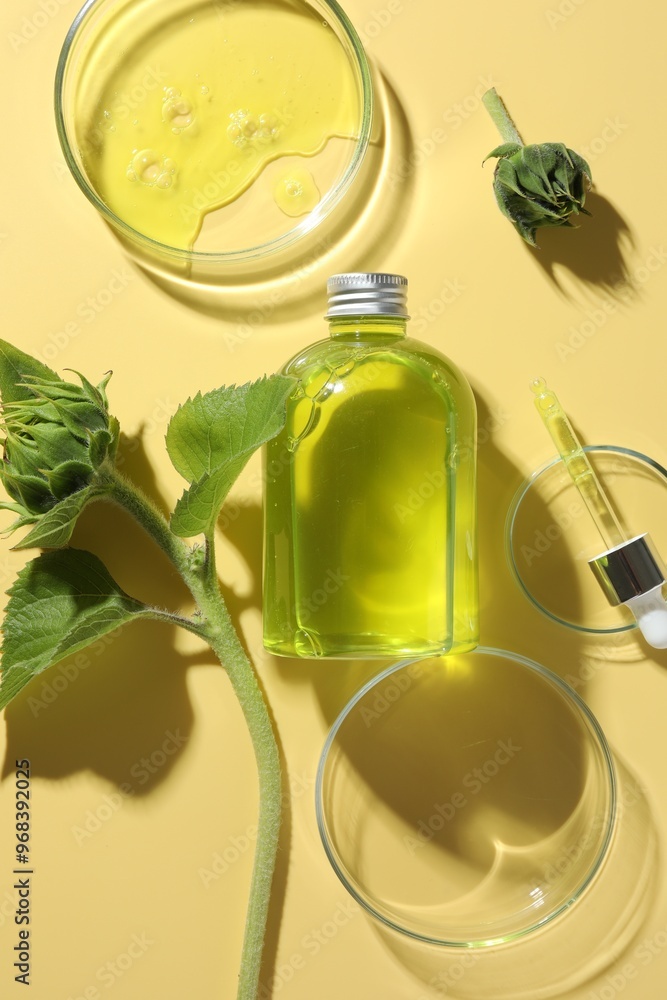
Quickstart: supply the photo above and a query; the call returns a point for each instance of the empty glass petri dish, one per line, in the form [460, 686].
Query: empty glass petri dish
[471, 805]
[550, 536]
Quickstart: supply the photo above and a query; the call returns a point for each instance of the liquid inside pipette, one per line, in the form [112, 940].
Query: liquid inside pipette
[577, 464]
[630, 571]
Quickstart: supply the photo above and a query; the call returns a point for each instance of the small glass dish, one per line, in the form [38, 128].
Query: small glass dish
[471, 805]
[550, 536]
[100, 38]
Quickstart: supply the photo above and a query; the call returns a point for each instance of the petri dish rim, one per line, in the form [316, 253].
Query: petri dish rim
[510, 521]
[333, 197]
[571, 697]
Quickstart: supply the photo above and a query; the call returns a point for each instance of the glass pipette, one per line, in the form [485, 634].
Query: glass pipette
[630, 571]
[577, 464]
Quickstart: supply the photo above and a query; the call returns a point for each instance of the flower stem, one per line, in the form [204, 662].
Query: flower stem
[222, 637]
[495, 105]
[218, 630]
[124, 493]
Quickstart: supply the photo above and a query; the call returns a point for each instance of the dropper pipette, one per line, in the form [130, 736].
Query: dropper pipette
[630, 571]
[577, 464]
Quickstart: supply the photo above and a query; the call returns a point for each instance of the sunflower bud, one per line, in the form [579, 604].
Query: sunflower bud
[540, 185]
[56, 434]
[537, 185]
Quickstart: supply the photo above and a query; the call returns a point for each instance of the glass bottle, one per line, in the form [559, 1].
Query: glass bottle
[370, 490]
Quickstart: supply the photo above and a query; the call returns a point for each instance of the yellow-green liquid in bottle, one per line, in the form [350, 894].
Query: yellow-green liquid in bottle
[370, 534]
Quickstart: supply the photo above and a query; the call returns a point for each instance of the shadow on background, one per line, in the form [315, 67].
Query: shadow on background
[508, 621]
[597, 256]
[122, 699]
[133, 692]
[114, 703]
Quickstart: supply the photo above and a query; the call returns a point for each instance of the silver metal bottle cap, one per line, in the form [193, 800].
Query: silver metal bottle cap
[629, 570]
[367, 294]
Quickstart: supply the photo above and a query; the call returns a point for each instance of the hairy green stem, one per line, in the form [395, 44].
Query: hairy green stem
[218, 630]
[221, 635]
[210, 571]
[124, 493]
[495, 105]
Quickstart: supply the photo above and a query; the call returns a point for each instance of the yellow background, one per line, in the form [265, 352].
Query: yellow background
[567, 69]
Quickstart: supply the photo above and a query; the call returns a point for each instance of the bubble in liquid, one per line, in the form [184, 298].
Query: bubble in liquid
[307, 643]
[244, 127]
[176, 110]
[237, 120]
[106, 122]
[150, 168]
[296, 192]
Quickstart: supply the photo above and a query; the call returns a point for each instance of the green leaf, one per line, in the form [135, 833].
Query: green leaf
[60, 603]
[210, 439]
[54, 529]
[68, 478]
[197, 510]
[24, 519]
[99, 446]
[212, 429]
[15, 365]
[506, 149]
[31, 491]
[16, 508]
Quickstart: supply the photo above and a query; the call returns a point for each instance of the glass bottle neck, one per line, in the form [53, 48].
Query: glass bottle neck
[365, 328]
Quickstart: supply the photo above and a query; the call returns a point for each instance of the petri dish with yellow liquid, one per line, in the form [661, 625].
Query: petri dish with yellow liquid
[215, 135]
